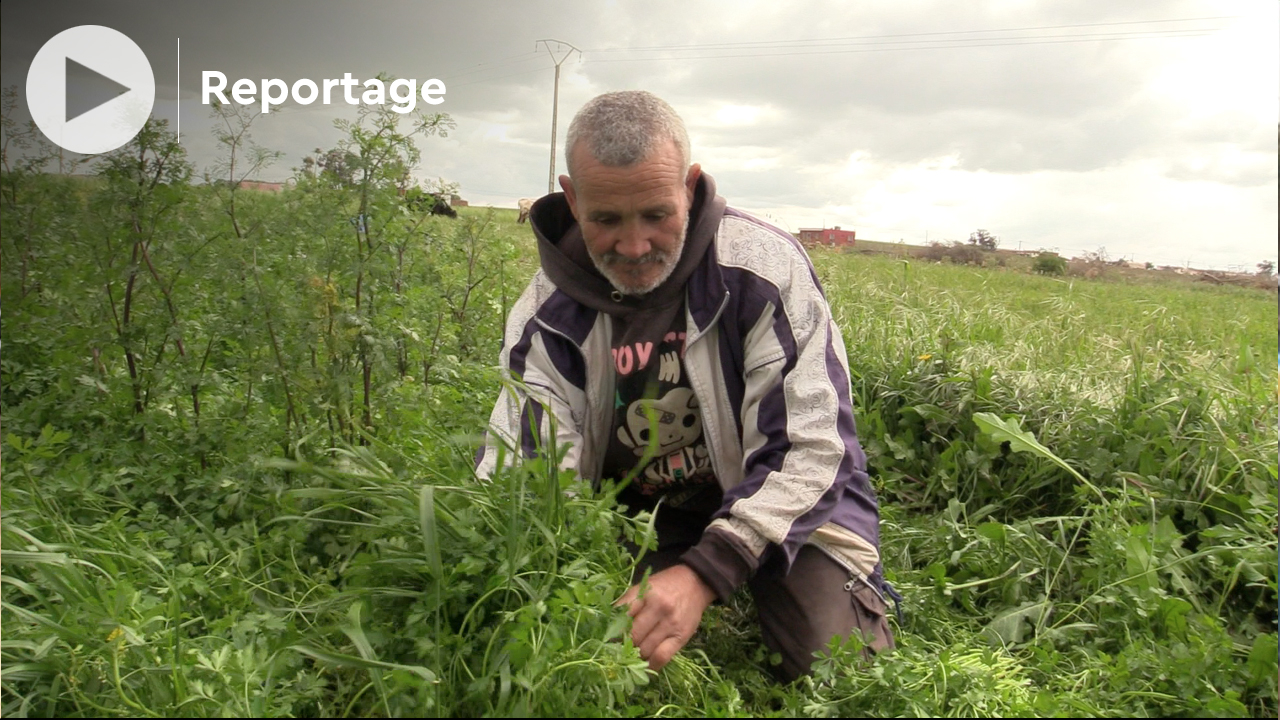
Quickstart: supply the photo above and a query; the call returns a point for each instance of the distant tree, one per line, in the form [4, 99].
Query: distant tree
[1266, 267]
[1048, 263]
[339, 165]
[962, 254]
[984, 240]
[934, 251]
[1098, 256]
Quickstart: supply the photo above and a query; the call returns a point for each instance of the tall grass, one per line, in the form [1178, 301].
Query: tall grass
[1134, 575]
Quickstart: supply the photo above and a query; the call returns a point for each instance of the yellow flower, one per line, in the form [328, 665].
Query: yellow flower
[924, 357]
[119, 631]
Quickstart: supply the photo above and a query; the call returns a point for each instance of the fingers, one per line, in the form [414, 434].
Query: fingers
[645, 617]
[628, 597]
[663, 653]
[651, 644]
[657, 632]
[637, 606]
[667, 615]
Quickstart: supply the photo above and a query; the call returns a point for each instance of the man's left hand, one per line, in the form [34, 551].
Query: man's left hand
[668, 614]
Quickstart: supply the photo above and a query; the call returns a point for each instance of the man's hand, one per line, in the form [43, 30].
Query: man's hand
[668, 614]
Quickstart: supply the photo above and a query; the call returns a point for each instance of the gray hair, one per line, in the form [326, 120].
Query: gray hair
[623, 128]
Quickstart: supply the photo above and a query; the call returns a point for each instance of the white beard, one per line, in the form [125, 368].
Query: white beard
[606, 263]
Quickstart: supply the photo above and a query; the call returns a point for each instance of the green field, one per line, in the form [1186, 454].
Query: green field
[238, 431]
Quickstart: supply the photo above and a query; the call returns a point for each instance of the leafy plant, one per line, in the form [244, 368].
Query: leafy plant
[239, 430]
[1047, 263]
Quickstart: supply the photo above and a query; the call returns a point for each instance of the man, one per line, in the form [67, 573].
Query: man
[687, 347]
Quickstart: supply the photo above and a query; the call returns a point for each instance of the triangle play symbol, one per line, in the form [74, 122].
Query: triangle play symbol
[93, 90]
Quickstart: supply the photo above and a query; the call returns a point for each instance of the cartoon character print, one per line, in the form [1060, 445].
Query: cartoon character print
[673, 424]
[677, 468]
[678, 423]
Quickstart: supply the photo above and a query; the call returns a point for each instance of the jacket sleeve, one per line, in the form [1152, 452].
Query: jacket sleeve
[536, 404]
[801, 458]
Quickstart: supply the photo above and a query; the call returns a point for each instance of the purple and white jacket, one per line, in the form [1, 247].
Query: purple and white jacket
[768, 366]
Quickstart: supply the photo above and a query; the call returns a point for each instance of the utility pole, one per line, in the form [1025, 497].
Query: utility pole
[555, 101]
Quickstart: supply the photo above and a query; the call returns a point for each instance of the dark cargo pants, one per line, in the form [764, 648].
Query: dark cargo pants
[801, 611]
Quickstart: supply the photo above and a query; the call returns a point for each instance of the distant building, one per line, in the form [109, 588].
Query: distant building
[260, 186]
[831, 237]
[457, 201]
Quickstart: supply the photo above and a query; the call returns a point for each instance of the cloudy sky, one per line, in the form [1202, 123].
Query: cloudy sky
[1147, 129]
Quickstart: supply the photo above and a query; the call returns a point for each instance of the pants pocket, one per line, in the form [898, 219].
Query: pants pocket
[870, 610]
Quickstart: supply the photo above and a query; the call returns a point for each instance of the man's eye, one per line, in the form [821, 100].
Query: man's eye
[655, 217]
[607, 221]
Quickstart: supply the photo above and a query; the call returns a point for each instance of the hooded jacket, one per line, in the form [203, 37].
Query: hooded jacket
[764, 358]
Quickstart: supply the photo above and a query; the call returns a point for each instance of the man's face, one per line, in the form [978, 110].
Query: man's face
[633, 218]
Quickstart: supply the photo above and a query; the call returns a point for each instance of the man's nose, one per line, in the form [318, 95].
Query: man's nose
[633, 243]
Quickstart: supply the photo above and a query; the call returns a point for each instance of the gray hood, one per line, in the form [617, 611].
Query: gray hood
[565, 260]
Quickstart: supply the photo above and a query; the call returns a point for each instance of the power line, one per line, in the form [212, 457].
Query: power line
[491, 65]
[704, 46]
[1097, 35]
[555, 103]
[853, 44]
[500, 77]
[1125, 35]
[1001, 42]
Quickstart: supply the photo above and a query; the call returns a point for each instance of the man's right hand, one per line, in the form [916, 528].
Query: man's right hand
[668, 614]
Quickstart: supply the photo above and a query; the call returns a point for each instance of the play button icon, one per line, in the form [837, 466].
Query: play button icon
[98, 89]
[90, 89]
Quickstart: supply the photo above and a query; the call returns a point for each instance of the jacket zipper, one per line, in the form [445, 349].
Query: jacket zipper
[713, 439]
[597, 458]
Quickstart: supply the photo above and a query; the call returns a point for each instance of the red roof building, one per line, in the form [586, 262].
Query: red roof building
[831, 237]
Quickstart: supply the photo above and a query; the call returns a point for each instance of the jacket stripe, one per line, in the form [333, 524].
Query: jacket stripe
[531, 429]
[805, 417]
[539, 367]
[858, 510]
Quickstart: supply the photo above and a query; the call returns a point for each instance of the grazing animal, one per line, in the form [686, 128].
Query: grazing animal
[442, 207]
[525, 205]
[435, 204]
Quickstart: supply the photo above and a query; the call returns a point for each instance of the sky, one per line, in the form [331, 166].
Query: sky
[1148, 130]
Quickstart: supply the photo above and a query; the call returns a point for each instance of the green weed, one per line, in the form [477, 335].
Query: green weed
[251, 493]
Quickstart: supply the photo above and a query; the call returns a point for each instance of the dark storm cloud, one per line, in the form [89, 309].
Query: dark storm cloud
[1062, 104]
[1021, 108]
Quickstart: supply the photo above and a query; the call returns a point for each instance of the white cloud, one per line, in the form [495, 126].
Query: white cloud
[739, 114]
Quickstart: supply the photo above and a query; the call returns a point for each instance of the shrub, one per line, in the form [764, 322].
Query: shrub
[955, 251]
[1047, 263]
[935, 252]
[962, 254]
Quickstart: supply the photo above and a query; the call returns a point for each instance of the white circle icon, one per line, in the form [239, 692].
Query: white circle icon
[90, 89]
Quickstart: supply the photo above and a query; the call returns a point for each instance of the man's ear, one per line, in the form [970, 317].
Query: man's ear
[566, 184]
[691, 180]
